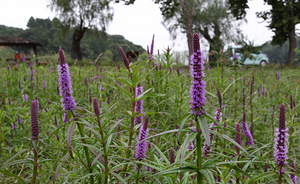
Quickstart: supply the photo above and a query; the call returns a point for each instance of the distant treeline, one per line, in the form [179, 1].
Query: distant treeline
[52, 35]
[279, 54]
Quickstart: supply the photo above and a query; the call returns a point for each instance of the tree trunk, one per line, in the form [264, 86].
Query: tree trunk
[77, 36]
[292, 38]
[188, 18]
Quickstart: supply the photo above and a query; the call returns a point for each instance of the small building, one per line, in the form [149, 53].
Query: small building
[19, 41]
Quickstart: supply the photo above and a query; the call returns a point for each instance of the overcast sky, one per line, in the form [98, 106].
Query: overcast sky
[146, 14]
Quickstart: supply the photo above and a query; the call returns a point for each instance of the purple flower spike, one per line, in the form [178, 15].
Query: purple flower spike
[280, 147]
[139, 105]
[234, 55]
[291, 102]
[34, 121]
[278, 74]
[55, 120]
[246, 131]
[65, 83]
[197, 91]
[191, 147]
[150, 57]
[292, 176]
[101, 88]
[172, 156]
[24, 97]
[125, 59]
[141, 146]
[19, 121]
[65, 117]
[96, 107]
[14, 127]
[31, 75]
[95, 78]
[37, 104]
[44, 84]
[152, 46]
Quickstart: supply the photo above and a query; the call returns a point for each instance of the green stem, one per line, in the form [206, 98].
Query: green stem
[280, 178]
[138, 174]
[87, 154]
[199, 153]
[35, 164]
[105, 152]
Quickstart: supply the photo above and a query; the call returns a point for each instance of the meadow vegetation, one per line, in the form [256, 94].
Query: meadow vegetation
[84, 145]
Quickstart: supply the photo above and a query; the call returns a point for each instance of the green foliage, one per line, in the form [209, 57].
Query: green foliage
[279, 54]
[166, 98]
[49, 34]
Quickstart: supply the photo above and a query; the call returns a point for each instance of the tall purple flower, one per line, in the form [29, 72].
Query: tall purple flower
[31, 75]
[96, 107]
[44, 84]
[292, 176]
[246, 131]
[24, 97]
[151, 49]
[139, 105]
[172, 156]
[280, 147]
[197, 91]
[278, 74]
[19, 121]
[234, 55]
[37, 104]
[65, 83]
[14, 127]
[23, 58]
[125, 59]
[34, 121]
[141, 146]
[95, 78]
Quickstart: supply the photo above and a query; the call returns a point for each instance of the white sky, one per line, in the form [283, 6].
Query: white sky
[16, 13]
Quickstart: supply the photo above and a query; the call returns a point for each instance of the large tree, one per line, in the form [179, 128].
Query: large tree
[81, 15]
[218, 27]
[196, 16]
[282, 18]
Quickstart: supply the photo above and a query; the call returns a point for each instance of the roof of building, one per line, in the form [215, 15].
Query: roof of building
[18, 41]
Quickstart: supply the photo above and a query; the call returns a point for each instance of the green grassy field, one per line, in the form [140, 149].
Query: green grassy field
[66, 155]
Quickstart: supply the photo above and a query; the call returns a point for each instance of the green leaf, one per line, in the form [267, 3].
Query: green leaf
[233, 141]
[69, 138]
[185, 145]
[208, 175]
[141, 96]
[182, 120]
[263, 175]
[145, 75]
[204, 127]
[13, 175]
[5, 163]
[176, 170]
[126, 92]
[119, 177]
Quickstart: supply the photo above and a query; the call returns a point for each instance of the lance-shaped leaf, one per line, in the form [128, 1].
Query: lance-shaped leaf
[69, 138]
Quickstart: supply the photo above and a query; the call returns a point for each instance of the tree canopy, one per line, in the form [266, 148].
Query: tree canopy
[50, 36]
[282, 18]
[80, 15]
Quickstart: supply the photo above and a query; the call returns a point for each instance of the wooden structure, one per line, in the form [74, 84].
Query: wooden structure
[133, 54]
[19, 41]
